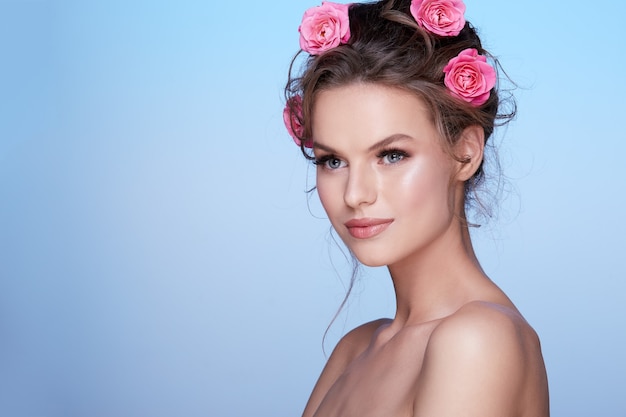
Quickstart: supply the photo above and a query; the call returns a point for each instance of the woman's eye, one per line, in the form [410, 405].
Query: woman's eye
[334, 163]
[393, 157]
[330, 162]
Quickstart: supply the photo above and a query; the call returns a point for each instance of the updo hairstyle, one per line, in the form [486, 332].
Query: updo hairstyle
[387, 47]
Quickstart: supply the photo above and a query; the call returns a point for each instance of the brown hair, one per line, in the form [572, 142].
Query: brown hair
[387, 47]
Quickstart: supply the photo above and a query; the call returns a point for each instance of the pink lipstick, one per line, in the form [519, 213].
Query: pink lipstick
[366, 228]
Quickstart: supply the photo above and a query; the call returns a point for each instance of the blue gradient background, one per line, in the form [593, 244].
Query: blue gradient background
[158, 254]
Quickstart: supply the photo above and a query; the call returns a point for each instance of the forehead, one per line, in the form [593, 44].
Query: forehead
[368, 112]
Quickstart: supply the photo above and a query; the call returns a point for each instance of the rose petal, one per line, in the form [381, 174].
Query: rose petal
[292, 115]
[440, 17]
[324, 27]
[470, 77]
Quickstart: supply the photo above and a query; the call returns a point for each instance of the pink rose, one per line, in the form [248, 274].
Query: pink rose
[292, 115]
[441, 17]
[470, 77]
[324, 27]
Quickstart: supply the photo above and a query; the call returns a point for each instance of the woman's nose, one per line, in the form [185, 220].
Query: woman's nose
[360, 188]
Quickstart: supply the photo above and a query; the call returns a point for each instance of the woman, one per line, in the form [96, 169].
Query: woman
[395, 104]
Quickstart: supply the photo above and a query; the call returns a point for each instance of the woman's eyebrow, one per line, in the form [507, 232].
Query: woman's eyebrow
[321, 146]
[378, 145]
[388, 141]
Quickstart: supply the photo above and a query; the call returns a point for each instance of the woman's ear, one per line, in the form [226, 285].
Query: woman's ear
[469, 150]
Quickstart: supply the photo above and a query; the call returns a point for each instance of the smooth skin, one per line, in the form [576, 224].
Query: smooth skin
[457, 346]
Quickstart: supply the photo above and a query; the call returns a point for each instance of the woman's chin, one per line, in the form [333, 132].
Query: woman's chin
[371, 260]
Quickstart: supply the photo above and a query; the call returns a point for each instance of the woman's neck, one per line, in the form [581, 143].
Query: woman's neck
[439, 279]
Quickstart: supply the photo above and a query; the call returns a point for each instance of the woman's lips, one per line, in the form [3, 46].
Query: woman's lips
[366, 228]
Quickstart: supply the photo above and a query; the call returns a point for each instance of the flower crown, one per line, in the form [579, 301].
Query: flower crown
[468, 76]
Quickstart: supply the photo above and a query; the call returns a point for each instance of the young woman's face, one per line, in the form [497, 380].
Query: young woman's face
[382, 175]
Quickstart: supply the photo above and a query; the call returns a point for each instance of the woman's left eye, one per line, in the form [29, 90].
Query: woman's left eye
[392, 157]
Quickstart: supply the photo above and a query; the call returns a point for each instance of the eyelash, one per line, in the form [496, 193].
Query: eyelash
[393, 151]
[323, 160]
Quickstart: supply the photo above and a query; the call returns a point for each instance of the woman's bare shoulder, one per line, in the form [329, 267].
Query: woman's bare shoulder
[349, 347]
[484, 350]
[482, 332]
[358, 339]
[498, 320]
